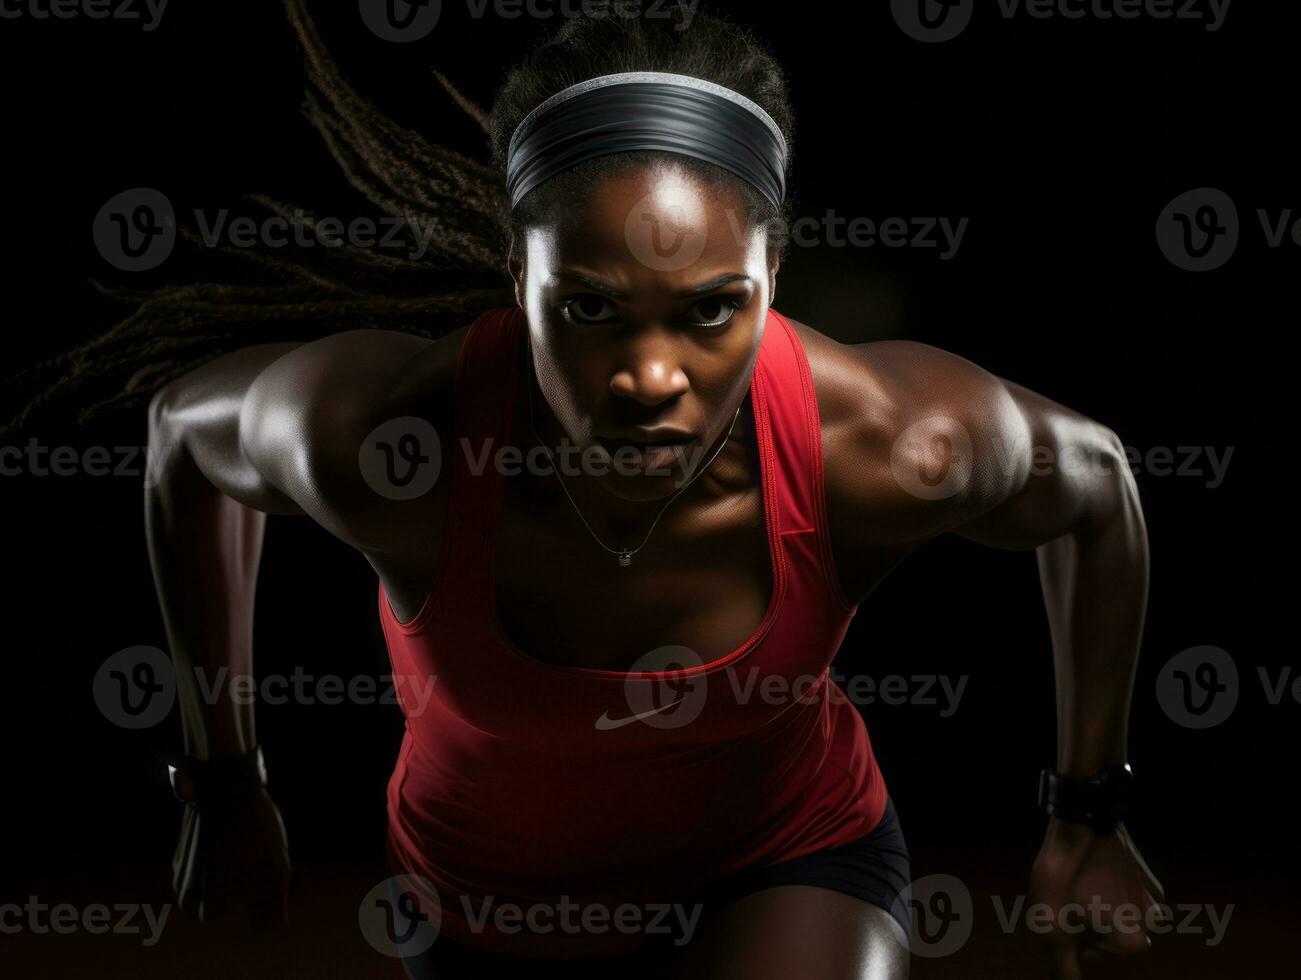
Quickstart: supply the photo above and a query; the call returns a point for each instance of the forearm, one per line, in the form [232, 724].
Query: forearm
[1094, 582]
[204, 548]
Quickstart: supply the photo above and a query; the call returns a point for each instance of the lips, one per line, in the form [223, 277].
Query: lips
[645, 455]
[614, 443]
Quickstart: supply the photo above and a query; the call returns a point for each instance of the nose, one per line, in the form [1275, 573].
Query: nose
[650, 373]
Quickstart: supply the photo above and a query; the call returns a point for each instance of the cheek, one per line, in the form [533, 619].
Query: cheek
[559, 366]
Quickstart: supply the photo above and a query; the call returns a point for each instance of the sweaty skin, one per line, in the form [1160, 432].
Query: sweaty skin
[917, 442]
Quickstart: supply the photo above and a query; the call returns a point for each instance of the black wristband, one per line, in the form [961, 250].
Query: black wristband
[227, 777]
[1100, 801]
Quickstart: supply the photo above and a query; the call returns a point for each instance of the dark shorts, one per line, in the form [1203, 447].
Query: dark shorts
[874, 868]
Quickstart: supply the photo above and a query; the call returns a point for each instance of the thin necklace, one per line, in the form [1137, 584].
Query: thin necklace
[624, 554]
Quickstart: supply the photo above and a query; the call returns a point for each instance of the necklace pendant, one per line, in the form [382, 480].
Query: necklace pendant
[625, 558]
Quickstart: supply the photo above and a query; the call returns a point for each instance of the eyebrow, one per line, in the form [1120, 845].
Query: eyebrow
[605, 289]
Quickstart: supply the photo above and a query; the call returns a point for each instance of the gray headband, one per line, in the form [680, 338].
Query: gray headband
[647, 110]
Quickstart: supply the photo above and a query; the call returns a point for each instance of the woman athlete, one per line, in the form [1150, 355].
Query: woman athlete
[702, 492]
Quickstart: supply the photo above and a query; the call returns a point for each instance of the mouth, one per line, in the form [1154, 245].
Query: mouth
[613, 442]
[645, 454]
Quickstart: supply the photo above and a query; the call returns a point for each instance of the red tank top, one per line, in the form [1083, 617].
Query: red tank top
[524, 784]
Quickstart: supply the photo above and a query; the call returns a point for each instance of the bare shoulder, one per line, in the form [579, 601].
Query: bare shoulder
[307, 415]
[913, 436]
[358, 375]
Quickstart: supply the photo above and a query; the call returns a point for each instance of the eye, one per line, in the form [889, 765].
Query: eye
[713, 312]
[588, 308]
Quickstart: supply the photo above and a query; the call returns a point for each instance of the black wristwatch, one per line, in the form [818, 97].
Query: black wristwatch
[227, 777]
[1100, 800]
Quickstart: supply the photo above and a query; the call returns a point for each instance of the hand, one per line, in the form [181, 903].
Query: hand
[233, 852]
[1099, 882]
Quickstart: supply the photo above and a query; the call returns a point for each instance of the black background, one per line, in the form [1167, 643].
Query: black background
[1060, 140]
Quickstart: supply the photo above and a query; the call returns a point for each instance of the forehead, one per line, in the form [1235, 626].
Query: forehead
[662, 224]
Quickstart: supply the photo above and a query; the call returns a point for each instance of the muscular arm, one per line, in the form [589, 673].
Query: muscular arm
[944, 446]
[926, 443]
[270, 429]
[276, 429]
[930, 443]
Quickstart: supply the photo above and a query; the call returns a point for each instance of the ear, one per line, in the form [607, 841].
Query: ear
[774, 263]
[515, 266]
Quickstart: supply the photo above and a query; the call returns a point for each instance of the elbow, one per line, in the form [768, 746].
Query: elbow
[1116, 507]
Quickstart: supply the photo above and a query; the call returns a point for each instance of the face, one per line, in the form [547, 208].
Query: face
[645, 312]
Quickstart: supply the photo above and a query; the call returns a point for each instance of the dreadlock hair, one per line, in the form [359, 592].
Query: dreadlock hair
[456, 202]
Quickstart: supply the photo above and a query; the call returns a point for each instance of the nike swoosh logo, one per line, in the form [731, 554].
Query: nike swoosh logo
[605, 723]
